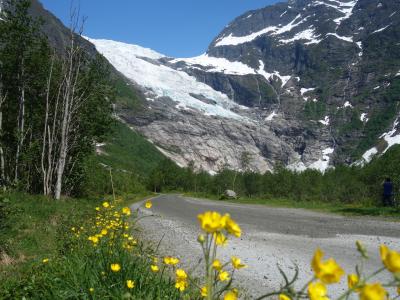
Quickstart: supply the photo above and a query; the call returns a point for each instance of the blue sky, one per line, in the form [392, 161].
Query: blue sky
[178, 28]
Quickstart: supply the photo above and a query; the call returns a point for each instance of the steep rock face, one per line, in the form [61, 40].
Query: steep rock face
[304, 84]
[342, 59]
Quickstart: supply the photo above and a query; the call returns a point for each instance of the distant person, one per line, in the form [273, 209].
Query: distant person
[387, 192]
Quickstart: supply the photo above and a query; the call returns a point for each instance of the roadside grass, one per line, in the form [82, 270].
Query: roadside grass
[55, 250]
[359, 209]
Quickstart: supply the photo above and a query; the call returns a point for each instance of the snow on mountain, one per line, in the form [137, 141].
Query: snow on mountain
[380, 29]
[345, 8]
[140, 65]
[275, 30]
[216, 64]
[308, 35]
[322, 164]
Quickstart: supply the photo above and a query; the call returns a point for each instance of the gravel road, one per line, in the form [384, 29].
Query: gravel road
[270, 236]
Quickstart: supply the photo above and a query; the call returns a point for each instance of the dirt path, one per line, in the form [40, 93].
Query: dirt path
[270, 236]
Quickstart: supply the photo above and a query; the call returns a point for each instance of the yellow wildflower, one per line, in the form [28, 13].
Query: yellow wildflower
[223, 276]
[217, 265]
[94, 239]
[220, 239]
[91, 290]
[317, 291]
[181, 274]
[45, 260]
[231, 295]
[115, 267]
[130, 284]
[232, 227]
[390, 258]
[212, 221]
[154, 268]
[181, 285]
[97, 208]
[181, 280]
[373, 291]
[126, 211]
[327, 271]
[352, 280]
[236, 263]
[284, 297]
[171, 260]
[203, 291]
[106, 204]
[104, 232]
[148, 204]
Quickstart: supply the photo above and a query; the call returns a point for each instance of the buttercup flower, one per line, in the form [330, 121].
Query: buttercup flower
[181, 285]
[390, 258]
[236, 263]
[352, 280]
[232, 227]
[212, 221]
[104, 232]
[231, 295]
[181, 274]
[126, 211]
[91, 290]
[223, 276]
[181, 280]
[217, 265]
[154, 268]
[317, 291]
[130, 284]
[148, 204]
[327, 271]
[203, 291]
[106, 204]
[45, 260]
[373, 291]
[220, 239]
[171, 260]
[115, 267]
[283, 297]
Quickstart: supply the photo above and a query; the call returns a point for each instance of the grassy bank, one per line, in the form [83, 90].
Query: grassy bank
[65, 249]
[354, 209]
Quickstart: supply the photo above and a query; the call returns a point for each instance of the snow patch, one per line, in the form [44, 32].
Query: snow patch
[306, 90]
[308, 35]
[381, 29]
[271, 116]
[391, 137]
[282, 14]
[359, 44]
[363, 117]
[231, 40]
[216, 64]
[398, 73]
[369, 154]
[322, 164]
[284, 78]
[343, 38]
[347, 104]
[325, 121]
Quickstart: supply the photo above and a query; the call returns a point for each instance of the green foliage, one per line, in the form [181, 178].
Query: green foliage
[38, 98]
[345, 185]
[37, 228]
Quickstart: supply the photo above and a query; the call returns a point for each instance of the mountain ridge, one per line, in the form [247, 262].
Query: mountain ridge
[304, 84]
